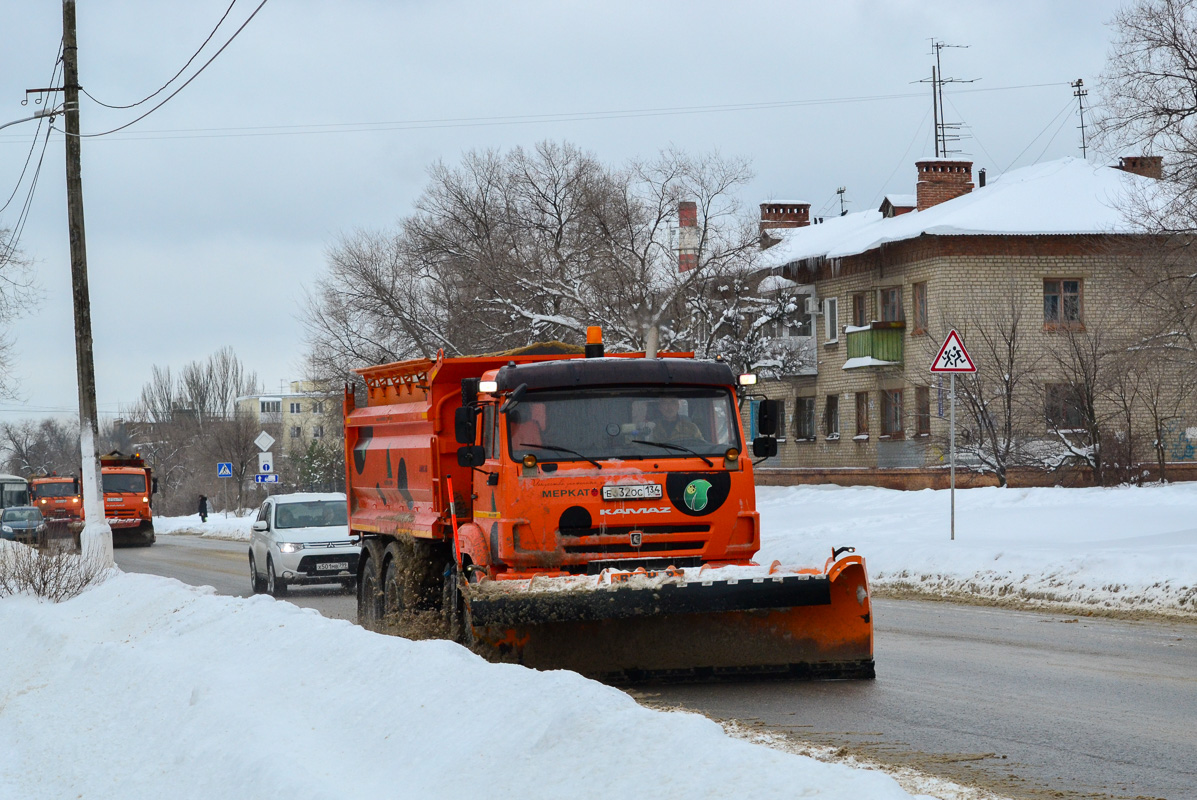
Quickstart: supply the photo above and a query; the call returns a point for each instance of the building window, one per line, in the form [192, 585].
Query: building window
[271, 406]
[922, 410]
[891, 413]
[1064, 406]
[862, 415]
[831, 417]
[318, 407]
[918, 296]
[831, 314]
[296, 432]
[860, 311]
[295, 408]
[804, 419]
[891, 305]
[317, 431]
[1062, 303]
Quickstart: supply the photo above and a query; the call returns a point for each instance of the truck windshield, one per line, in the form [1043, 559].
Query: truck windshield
[606, 423]
[311, 514]
[60, 489]
[124, 484]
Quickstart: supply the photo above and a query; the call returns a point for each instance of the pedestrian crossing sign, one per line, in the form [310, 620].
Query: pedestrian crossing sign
[952, 356]
[224, 469]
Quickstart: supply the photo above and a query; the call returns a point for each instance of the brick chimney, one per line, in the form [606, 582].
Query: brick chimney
[1147, 166]
[942, 179]
[784, 215]
[687, 235]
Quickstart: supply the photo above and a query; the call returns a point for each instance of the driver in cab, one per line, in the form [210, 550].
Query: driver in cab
[670, 425]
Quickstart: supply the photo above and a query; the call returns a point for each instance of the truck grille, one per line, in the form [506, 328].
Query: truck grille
[120, 513]
[624, 530]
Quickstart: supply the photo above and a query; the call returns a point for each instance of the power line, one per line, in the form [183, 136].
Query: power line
[523, 119]
[185, 83]
[902, 160]
[37, 133]
[176, 75]
[1067, 106]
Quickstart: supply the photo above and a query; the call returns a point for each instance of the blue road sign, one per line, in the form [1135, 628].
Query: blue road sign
[271, 478]
[224, 469]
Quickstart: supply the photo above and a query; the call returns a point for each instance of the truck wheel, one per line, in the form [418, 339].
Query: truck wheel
[255, 581]
[369, 596]
[392, 589]
[275, 586]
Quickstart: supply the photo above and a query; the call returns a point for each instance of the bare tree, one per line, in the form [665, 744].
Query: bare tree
[507, 249]
[1000, 416]
[37, 447]
[1149, 101]
[18, 293]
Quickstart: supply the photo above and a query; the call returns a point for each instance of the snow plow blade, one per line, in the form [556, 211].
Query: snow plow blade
[688, 627]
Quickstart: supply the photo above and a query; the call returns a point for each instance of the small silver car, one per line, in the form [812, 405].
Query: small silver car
[302, 539]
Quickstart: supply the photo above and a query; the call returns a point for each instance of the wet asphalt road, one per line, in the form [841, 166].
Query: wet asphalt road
[1029, 705]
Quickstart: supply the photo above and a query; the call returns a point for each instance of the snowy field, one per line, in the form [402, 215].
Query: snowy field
[1124, 549]
[145, 688]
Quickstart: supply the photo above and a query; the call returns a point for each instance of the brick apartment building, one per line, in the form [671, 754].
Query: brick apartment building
[1048, 241]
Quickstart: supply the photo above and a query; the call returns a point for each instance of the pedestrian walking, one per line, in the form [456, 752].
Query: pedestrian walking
[203, 508]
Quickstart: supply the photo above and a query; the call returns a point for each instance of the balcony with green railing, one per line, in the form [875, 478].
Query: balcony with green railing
[878, 345]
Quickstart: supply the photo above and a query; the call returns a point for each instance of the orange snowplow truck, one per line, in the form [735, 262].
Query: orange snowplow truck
[128, 486]
[570, 510]
[58, 497]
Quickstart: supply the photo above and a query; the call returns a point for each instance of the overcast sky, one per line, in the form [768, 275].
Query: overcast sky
[206, 220]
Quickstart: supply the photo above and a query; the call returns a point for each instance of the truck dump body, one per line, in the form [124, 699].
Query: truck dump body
[605, 521]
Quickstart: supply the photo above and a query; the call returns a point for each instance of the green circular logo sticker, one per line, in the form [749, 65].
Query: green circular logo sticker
[695, 495]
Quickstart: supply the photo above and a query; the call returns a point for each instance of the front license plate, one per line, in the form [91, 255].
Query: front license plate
[635, 491]
[333, 566]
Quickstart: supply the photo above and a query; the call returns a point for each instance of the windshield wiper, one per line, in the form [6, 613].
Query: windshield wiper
[560, 450]
[668, 446]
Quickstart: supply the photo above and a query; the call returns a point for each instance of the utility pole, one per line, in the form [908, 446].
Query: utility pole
[942, 126]
[97, 536]
[1080, 94]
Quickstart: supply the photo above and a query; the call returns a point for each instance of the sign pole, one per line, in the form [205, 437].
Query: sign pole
[952, 436]
[952, 358]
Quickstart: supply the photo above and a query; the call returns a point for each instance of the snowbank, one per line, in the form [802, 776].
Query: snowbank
[1127, 549]
[217, 527]
[145, 688]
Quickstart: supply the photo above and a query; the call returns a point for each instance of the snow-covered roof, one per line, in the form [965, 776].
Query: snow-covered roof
[774, 283]
[902, 200]
[1068, 196]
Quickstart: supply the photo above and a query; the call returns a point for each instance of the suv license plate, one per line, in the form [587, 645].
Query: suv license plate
[634, 491]
[333, 565]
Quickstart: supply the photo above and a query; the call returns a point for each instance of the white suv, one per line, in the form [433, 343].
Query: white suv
[302, 538]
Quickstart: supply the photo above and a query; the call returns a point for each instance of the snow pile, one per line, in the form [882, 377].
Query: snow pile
[218, 526]
[144, 688]
[1128, 549]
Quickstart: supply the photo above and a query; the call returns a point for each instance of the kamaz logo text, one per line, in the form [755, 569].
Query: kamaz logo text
[603, 512]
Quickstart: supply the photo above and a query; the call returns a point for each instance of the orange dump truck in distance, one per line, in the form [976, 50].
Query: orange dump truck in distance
[58, 497]
[129, 487]
[589, 513]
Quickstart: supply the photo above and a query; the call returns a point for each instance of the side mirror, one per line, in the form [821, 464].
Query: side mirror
[154, 486]
[260, 526]
[764, 447]
[465, 424]
[75, 486]
[767, 414]
[471, 456]
[513, 399]
[469, 391]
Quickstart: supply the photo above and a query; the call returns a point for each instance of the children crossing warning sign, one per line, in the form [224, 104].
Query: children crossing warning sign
[952, 356]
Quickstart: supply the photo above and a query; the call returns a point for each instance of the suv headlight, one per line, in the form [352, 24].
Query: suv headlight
[289, 547]
[6, 528]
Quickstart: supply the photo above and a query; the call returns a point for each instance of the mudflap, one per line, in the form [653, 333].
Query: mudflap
[785, 625]
[140, 536]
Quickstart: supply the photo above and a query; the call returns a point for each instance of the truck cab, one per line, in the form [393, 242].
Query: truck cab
[590, 464]
[58, 497]
[128, 486]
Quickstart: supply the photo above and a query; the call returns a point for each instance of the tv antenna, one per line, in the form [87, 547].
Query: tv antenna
[840, 191]
[944, 131]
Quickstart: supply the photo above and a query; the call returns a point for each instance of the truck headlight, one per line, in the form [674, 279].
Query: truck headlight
[289, 547]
